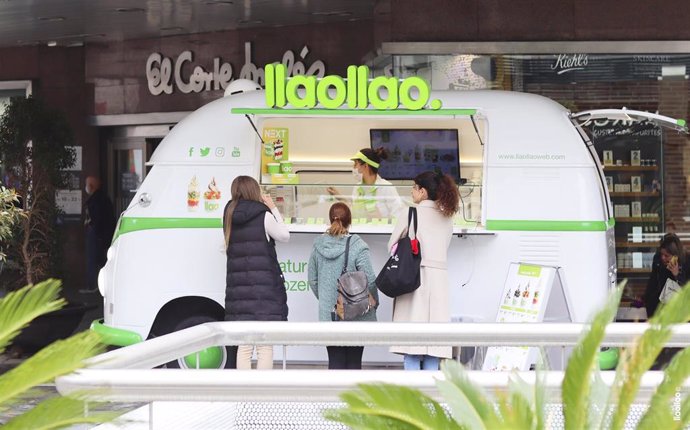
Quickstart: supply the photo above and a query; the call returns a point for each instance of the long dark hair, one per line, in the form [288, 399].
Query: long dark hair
[441, 189]
[340, 217]
[376, 155]
[242, 188]
[671, 243]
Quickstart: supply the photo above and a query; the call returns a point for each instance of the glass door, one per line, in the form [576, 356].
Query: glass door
[126, 170]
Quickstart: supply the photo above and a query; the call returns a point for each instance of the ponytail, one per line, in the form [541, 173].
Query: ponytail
[340, 216]
[336, 228]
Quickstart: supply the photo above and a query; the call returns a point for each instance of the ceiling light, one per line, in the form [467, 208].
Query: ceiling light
[51, 43]
[129, 9]
[219, 3]
[246, 21]
[51, 18]
[172, 29]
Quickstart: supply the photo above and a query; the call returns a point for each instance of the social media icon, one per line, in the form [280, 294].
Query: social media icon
[204, 151]
[191, 151]
[220, 151]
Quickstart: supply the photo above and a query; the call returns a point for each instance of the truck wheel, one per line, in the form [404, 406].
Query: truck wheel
[215, 357]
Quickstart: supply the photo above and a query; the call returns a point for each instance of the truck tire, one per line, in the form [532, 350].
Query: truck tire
[215, 357]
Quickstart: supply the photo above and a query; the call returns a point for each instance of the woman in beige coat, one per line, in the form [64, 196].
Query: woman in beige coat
[437, 200]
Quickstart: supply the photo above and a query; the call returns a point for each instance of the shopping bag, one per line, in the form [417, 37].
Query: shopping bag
[401, 273]
[671, 287]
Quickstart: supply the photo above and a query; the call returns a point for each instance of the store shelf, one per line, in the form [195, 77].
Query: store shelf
[627, 194]
[631, 168]
[633, 271]
[648, 244]
[638, 219]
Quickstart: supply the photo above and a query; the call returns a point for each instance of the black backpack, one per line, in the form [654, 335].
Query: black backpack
[353, 292]
[400, 275]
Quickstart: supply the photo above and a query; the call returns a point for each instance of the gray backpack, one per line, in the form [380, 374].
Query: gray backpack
[353, 292]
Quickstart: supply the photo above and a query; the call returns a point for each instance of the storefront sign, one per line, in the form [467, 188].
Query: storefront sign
[567, 63]
[164, 75]
[358, 92]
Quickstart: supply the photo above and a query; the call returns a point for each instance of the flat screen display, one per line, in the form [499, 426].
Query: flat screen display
[413, 151]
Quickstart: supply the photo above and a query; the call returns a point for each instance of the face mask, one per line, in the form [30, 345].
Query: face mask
[356, 174]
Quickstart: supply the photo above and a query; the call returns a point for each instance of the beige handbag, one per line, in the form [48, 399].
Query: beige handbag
[671, 287]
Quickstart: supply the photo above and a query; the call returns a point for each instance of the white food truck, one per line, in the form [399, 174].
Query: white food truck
[532, 189]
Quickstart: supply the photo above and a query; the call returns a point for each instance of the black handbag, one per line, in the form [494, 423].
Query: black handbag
[353, 292]
[400, 275]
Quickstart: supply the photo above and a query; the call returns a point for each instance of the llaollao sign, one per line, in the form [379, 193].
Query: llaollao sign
[357, 91]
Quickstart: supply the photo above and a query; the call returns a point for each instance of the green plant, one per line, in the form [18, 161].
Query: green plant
[34, 151]
[17, 309]
[9, 215]
[588, 403]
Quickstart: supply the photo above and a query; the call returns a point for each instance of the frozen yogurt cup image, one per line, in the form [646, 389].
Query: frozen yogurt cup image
[193, 194]
[273, 167]
[278, 149]
[286, 166]
[212, 197]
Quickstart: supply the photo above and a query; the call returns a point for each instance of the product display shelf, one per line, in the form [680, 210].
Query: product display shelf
[632, 163]
[634, 194]
[631, 168]
[655, 219]
[633, 270]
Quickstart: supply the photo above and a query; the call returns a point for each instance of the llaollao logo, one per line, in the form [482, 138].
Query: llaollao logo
[357, 91]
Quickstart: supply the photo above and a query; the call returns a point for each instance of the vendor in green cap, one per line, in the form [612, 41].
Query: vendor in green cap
[375, 197]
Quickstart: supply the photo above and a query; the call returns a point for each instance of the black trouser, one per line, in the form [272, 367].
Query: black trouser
[345, 357]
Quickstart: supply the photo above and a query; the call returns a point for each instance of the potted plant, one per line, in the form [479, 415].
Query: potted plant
[34, 151]
[588, 403]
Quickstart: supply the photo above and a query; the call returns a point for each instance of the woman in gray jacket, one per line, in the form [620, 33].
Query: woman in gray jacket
[325, 267]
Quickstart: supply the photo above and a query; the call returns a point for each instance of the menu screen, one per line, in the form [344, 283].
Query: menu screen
[413, 151]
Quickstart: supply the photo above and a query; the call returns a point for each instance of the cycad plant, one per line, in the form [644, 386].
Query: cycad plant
[588, 403]
[17, 309]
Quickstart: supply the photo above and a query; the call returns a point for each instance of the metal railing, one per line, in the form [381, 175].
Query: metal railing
[126, 374]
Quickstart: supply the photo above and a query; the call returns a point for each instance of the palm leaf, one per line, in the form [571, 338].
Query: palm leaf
[19, 308]
[674, 375]
[468, 404]
[583, 361]
[520, 414]
[599, 394]
[392, 406]
[533, 394]
[641, 356]
[57, 359]
[57, 412]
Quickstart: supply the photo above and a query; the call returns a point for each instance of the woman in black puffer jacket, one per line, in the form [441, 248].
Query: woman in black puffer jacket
[255, 288]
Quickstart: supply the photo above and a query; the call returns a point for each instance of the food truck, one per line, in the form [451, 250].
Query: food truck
[532, 190]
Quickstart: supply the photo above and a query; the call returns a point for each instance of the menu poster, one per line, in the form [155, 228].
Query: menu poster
[275, 146]
[526, 299]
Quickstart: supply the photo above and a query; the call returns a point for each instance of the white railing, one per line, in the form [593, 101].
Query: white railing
[126, 375]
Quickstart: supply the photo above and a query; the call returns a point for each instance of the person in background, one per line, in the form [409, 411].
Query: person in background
[664, 267]
[100, 226]
[437, 199]
[255, 287]
[325, 267]
[375, 197]
[670, 262]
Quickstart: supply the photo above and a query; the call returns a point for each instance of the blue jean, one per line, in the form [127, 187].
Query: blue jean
[421, 362]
